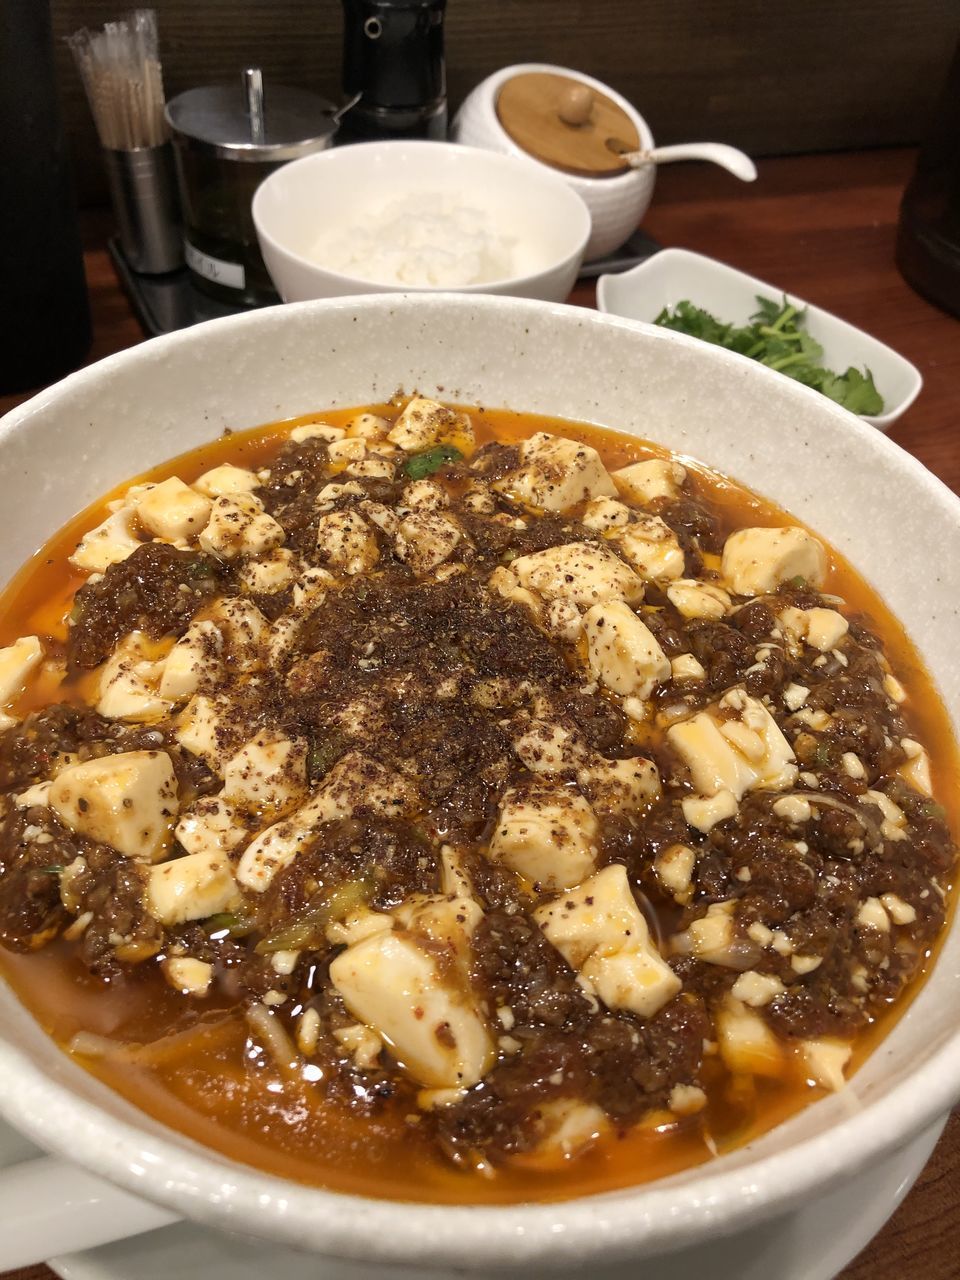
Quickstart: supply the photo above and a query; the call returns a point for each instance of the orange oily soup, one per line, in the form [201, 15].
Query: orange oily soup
[461, 806]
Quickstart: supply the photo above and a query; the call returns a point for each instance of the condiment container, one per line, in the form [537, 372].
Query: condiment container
[226, 142]
[581, 127]
[393, 69]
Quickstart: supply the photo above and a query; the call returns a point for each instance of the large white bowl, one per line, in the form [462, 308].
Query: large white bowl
[531, 205]
[862, 492]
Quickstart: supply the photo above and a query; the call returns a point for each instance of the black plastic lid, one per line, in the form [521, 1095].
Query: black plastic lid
[393, 52]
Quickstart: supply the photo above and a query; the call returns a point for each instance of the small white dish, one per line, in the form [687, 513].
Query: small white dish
[672, 275]
[300, 206]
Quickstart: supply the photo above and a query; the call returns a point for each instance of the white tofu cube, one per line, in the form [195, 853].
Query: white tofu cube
[18, 661]
[825, 1060]
[547, 834]
[916, 769]
[355, 784]
[317, 431]
[624, 654]
[547, 748]
[425, 422]
[695, 599]
[173, 510]
[127, 801]
[425, 539]
[757, 561]
[734, 747]
[567, 1128]
[686, 667]
[757, 989]
[194, 658]
[674, 869]
[652, 548]
[244, 629]
[193, 887]
[601, 932]
[646, 481]
[556, 474]
[704, 812]
[188, 976]
[747, 1045]
[109, 543]
[392, 984]
[211, 825]
[347, 542]
[343, 452]
[372, 469]
[268, 774]
[822, 629]
[424, 495]
[603, 514]
[226, 480]
[271, 572]
[239, 526]
[368, 426]
[202, 729]
[712, 937]
[579, 572]
[129, 682]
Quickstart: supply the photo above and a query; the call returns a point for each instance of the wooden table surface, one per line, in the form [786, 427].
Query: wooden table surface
[821, 227]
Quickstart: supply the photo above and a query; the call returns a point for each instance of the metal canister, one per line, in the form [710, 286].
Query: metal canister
[226, 142]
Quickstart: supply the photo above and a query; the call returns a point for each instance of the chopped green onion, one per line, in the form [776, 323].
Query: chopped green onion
[431, 460]
[307, 931]
[229, 924]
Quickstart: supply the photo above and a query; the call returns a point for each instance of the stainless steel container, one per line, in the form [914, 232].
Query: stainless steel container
[226, 142]
[144, 194]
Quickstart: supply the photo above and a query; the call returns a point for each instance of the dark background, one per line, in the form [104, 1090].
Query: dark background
[772, 76]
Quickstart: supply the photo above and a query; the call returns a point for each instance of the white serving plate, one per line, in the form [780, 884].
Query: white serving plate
[673, 275]
[114, 419]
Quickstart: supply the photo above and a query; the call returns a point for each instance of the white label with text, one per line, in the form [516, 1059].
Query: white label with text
[228, 273]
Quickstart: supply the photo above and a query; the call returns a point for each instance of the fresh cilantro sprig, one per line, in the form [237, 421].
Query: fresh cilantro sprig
[774, 338]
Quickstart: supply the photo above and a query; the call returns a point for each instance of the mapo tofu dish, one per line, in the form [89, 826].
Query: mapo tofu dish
[461, 805]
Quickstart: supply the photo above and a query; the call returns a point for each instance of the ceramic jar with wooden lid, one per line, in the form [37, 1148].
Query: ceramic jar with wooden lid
[600, 142]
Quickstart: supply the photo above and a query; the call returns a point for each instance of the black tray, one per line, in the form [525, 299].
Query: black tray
[173, 301]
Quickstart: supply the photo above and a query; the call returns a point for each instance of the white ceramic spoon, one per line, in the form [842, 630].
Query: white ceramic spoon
[729, 158]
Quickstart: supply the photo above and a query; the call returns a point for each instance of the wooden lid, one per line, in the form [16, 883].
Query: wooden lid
[566, 123]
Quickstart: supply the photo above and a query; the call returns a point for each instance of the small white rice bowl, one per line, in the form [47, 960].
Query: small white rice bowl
[419, 216]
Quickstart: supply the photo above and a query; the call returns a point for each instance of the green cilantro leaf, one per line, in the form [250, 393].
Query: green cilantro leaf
[774, 337]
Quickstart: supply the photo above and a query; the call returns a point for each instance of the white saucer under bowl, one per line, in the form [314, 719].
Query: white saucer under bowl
[814, 1243]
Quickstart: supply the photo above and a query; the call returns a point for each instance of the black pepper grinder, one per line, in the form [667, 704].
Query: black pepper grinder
[393, 58]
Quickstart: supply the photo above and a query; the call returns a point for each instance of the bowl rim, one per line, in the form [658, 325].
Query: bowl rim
[559, 190]
[652, 1217]
[609, 283]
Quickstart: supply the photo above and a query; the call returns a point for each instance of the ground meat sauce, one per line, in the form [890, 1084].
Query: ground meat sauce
[477, 907]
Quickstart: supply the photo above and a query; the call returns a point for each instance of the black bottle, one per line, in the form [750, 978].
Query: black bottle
[928, 239]
[44, 313]
[393, 57]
